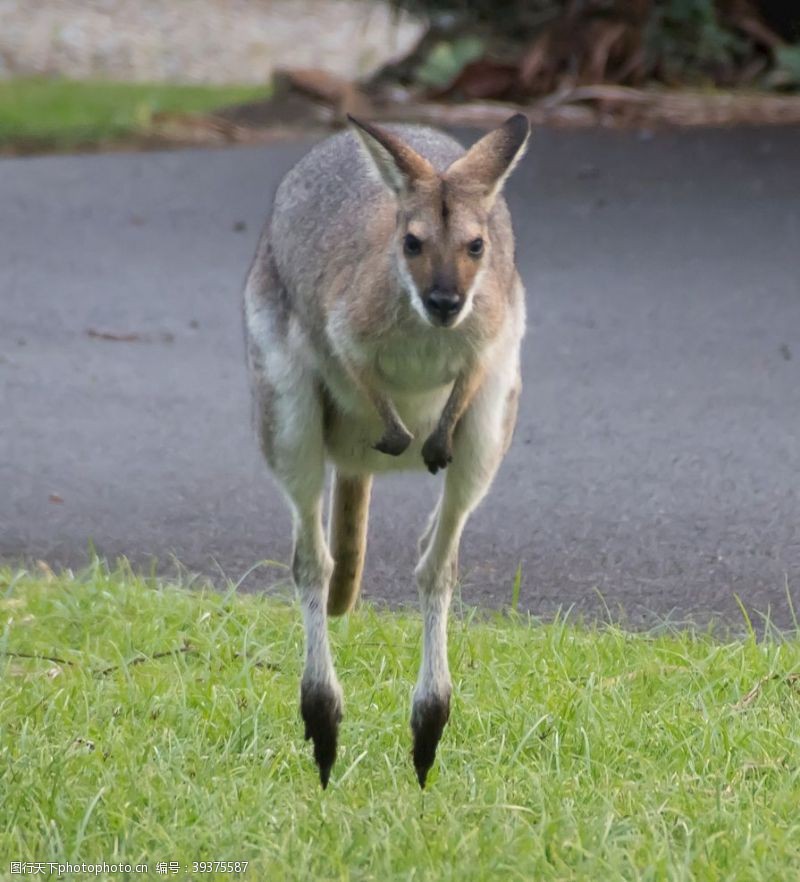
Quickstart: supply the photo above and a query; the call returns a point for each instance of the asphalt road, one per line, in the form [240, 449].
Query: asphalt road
[656, 463]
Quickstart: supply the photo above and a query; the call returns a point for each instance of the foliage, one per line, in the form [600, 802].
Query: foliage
[488, 12]
[141, 721]
[686, 36]
[787, 71]
[538, 48]
[446, 59]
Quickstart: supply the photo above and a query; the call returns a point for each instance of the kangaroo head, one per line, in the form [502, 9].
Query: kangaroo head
[442, 240]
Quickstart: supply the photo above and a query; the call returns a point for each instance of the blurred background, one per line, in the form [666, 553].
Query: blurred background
[198, 41]
[77, 73]
[654, 469]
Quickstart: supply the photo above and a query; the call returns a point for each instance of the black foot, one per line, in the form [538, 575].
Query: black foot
[437, 452]
[321, 710]
[395, 441]
[428, 719]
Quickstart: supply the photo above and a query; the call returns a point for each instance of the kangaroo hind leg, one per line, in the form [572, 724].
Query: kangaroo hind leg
[478, 448]
[289, 422]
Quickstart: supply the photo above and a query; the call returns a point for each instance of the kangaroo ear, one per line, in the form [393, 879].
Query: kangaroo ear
[398, 165]
[483, 169]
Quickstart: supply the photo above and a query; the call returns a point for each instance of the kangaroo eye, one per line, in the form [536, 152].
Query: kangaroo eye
[475, 247]
[412, 245]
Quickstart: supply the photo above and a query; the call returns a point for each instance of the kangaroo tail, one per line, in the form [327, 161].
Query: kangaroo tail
[348, 540]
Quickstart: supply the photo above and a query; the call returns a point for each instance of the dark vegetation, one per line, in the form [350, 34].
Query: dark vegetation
[519, 50]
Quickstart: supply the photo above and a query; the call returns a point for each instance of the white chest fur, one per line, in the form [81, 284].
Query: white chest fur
[417, 374]
[417, 365]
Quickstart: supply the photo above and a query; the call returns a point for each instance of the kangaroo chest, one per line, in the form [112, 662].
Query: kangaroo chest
[416, 365]
[416, 375]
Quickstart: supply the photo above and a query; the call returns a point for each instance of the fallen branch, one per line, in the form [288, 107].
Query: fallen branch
[589, 105]
[259, 663]
[140, 659]
[750, 697]
[137, 660]
[32, 655]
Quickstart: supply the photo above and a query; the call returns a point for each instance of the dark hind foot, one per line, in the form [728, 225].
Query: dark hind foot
[321, 709]
[428, 719]
[395, 441]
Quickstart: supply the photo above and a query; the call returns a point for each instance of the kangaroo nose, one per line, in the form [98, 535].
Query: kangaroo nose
[443, 304]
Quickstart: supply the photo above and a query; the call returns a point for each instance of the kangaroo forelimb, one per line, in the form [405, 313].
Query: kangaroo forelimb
[437, 451]
[396, 437]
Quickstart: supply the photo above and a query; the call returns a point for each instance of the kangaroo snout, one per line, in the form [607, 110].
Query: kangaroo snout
[443, 305]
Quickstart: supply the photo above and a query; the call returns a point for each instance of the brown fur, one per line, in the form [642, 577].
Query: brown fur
[444, 259]
[348, 540]
[403, 164]
[485, 166]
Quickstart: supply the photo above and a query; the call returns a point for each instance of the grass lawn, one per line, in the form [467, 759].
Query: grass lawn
[60, 114]
[165, 727]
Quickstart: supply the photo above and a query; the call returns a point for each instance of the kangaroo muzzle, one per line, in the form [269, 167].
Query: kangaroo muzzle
[443, 305]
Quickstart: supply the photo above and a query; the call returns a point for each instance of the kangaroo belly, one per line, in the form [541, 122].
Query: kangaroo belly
[352, 430]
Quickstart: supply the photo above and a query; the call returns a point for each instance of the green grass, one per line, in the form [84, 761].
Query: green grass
[574, 752]
[53, 113]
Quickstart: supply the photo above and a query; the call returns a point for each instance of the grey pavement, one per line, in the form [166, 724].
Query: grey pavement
[656, 463]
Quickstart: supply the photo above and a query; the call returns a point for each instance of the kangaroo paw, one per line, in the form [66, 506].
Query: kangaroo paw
[395, 441]
[321, 709]
[437, 452]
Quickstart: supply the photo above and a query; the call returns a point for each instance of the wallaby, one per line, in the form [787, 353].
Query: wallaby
[384, 316]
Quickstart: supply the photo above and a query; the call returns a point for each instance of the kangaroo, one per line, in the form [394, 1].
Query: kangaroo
[384, 316]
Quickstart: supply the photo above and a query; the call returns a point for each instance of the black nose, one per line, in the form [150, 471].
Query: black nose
[443, 304]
